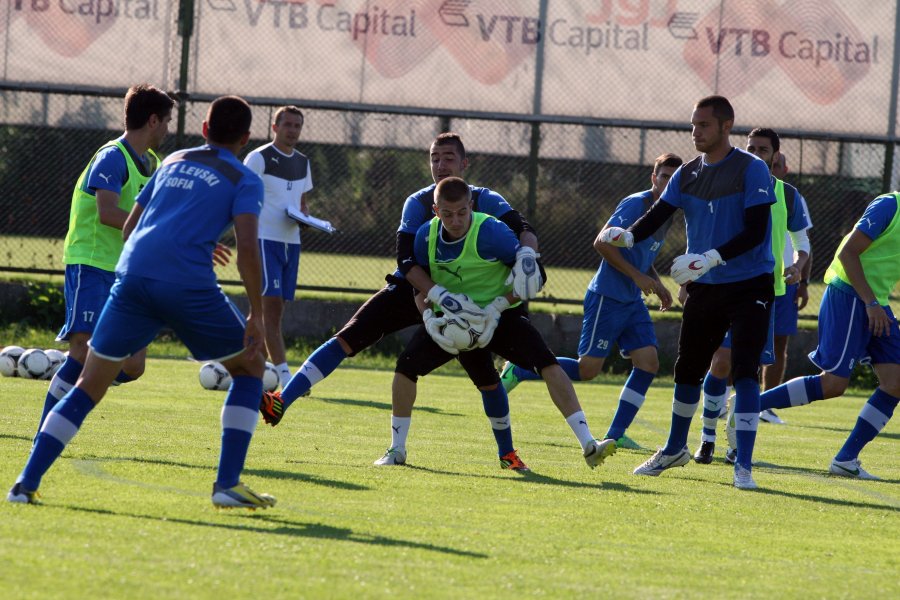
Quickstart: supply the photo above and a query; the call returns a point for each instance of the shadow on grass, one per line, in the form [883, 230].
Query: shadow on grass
[289, 528]
[823, 472]
[532, 477]
[385, 406]
[92, 467]
[846, 431]
[6, 436]
[835, 501]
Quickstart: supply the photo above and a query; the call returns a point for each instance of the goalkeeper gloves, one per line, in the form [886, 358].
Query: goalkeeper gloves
[493, 312]
[458, 305]
[617, 236]
[433, 326]
[525, 276]
[690, 267]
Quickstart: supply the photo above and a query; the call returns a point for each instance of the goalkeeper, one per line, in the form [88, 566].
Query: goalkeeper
[725, 194]
[471, 254]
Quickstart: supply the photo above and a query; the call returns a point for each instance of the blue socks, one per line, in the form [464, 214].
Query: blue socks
[872, 418]
[60, 385]
[795, 392]
[569, 365]
[713, 401]
[496, 407]
[684, 405]
[746, 419]
[317, 367]
[60, 426]
[239, 417]
[630, 401]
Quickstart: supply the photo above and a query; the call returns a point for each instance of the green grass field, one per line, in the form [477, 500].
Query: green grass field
[126, 510]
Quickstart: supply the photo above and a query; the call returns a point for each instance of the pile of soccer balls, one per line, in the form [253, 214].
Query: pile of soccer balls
[214, 376]
[34, 363]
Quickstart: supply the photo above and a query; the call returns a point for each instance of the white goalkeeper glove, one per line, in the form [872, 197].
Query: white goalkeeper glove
[690, 267]
[525, 276]
[457, 305]
[617, 236]
[493, 312]
[433, 325]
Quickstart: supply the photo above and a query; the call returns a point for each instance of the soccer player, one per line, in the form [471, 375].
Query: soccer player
[787, 307]
[471, 253]
[788, 221]
[614, 312]
[165, 278]
[393, 307]
[286, 175]
[103, 196]
[725, 194]
[856, 325]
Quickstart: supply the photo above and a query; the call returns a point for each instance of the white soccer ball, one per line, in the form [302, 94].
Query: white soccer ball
[57, 358]
[9, 360]
[461, 332]
[214, 376]
[270, 378]
[33, 364]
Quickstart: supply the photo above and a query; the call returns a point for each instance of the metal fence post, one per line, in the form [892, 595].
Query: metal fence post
[185, 30]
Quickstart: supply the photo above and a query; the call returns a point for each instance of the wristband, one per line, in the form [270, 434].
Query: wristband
[873, 303]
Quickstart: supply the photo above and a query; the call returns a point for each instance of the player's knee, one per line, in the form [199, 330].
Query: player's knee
[746, 370]
[589, 369]
[720, 365]
[135, 370]
[832, 385]
[489, 388]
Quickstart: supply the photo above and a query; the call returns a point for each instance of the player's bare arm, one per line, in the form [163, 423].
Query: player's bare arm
[614, 257]
[131, 221]
[857, 243]
[108, 209]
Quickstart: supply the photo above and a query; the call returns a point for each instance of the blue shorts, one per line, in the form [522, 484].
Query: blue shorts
[204, 319]
[844, 337]
[86, 291]
[280, 263]
[607, 322]
[768, 354]
[786, 312]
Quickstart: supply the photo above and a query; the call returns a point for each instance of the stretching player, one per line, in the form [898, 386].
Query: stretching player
[394, 308]
[165, 278]
[614, 312]
[103, 196]
[788, 219]
[471, 253]
[286, 175]
[856, 325]
[725, 194]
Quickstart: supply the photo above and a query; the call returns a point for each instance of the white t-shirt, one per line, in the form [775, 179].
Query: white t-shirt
[286, 178]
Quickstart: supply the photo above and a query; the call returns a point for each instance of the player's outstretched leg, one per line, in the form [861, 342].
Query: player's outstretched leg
[872, 419]
[631, 399]
[63, 381]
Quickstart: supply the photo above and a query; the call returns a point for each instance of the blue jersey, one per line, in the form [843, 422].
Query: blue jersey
[418, 208]
[714, 198]
[495, 241]
[797, 219]
[878, 215]
[108, 170]
[188, 204]
[609, 281]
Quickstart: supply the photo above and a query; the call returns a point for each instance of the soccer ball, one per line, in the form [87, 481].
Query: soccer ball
[213, 376]
[461, 332]
[9, 360]
[57, 359]
[33, 364]
[270, 378]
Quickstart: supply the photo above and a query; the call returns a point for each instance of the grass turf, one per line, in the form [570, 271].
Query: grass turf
[126, 509]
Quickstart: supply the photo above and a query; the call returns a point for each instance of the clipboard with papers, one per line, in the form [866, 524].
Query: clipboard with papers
[321, 224]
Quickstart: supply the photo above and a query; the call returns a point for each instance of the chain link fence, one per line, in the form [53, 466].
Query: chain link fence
[562, 150]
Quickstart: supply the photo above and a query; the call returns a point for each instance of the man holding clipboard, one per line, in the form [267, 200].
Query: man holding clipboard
[286, 175]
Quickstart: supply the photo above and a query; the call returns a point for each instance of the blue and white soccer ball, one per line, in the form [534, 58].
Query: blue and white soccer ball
[57, 358]
[270, 378]
[461, 332]
[33, 364]
[214, 376]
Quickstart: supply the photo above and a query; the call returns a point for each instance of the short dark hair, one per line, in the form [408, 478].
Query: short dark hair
[289, 109]
[449, 137]
[452, 189]
[142, 101]
[722, 109]
[666, 160]
[228, 119]
[767, 133]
